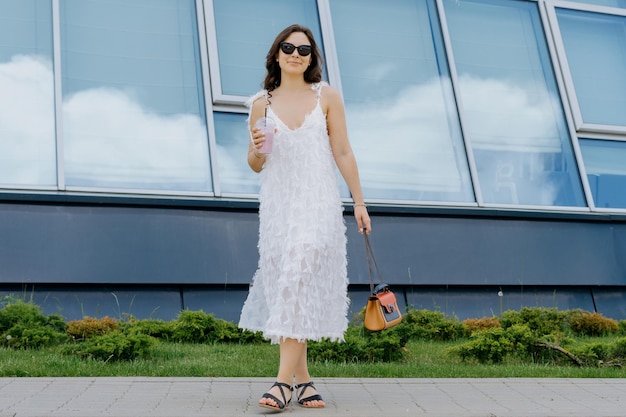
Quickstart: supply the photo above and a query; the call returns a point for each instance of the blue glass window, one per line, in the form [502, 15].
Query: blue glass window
[595, 45]
[605, 163]
[27, 127]
[236, 177]
[511, 106]
[608, 3]
[399, 103]
[133, 110]
[245, 31]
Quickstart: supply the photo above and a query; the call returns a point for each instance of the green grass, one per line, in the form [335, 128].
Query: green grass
[425, 359]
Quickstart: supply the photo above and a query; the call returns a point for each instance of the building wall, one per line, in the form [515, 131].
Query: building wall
[490, 136]
[152, 261]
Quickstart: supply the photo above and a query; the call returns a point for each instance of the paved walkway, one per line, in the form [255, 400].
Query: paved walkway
[182, 397]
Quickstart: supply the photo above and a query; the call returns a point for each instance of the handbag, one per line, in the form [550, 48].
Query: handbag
[381, 311]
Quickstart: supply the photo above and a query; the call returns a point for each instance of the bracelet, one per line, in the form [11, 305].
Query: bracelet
[360, 205]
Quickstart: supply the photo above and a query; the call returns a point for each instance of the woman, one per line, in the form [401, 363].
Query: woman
[299, 291]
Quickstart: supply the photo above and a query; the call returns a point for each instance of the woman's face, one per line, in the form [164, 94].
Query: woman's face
[294, 63]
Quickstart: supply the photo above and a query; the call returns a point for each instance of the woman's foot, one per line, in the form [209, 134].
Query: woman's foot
[307, 395]
[276, 398]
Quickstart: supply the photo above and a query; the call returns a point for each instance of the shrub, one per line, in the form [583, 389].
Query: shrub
[151, 327]
[200, 327]
[359, 346]
[622, 327]
[114, 346]
[541, 321]
[592, 354]
[89, 327]
[25, 336]
[495, 344]
[23, 325]
[485, 323]
[429, 325]
[618, 349]
[592, 324]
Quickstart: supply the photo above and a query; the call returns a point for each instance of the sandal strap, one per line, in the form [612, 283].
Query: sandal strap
[304, 386]
[280, 385]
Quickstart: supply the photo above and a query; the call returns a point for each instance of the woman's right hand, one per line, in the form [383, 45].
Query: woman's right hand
[257, 136]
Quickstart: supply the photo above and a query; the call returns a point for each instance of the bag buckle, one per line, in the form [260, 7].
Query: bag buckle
[380, 288]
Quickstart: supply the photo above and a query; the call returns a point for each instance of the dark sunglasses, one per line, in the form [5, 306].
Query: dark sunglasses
[303, 50]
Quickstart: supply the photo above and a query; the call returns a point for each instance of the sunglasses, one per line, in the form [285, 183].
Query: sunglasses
[289, 48]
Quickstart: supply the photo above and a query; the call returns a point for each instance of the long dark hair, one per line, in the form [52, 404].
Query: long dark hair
[313, 73]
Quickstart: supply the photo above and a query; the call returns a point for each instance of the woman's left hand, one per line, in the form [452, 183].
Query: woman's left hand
[363, 219]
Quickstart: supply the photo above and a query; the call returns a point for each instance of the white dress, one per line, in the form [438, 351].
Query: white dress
[299, 290]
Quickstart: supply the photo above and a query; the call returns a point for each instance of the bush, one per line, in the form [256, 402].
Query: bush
[25, 336]
[113, 346]
[592, 354]
[429, 325]
[541, 321]
[150, 327]
[495, 344]
[89, 327]
[200, 327]
[618, 349]
[23, 326]
[485, 323]
[592, 324]
[622, 327]
[359, 346]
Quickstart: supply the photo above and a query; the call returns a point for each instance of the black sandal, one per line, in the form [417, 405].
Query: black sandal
[314, 397]
[281, 404]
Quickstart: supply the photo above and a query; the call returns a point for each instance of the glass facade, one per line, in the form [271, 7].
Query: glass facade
[512, 103]
[598, 73]
[133, 110]
[27, 128]
[514, 121]
[605, 162]
[399, 101]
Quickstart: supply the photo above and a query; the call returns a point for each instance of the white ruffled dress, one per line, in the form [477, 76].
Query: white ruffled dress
[299, 290]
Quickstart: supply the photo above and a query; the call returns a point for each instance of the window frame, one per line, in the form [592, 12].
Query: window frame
[581, 126]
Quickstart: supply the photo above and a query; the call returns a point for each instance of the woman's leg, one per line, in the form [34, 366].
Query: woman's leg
[302, 376]
[291, 353]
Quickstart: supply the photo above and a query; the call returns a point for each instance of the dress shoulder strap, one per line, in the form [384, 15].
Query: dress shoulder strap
[317, 87]
[252, 99]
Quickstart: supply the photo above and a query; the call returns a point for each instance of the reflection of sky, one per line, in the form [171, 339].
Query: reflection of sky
[404, 142]
[515, 138]
[27, 145]
[109, 139]
[232, 135]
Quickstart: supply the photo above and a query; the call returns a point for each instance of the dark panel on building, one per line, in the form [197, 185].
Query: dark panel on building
[78, 244]
[611, 302]
[433, 250]
[73, 303]
[159, 259]
[225, 302]
[466, 303]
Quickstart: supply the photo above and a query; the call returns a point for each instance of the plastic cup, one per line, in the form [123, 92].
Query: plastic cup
[267, 126]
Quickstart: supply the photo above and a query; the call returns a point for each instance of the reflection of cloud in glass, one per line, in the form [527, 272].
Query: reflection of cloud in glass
[503, 116]
[405, 142]
[27, 146]
[409, 142]
[110, 140]
[515, 138]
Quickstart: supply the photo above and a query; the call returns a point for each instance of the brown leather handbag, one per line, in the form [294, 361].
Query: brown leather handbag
[381, 311]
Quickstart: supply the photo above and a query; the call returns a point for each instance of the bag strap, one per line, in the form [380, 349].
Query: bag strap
[371, 261]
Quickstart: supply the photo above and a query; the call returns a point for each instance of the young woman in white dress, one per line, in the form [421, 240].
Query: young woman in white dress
[299, 291]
